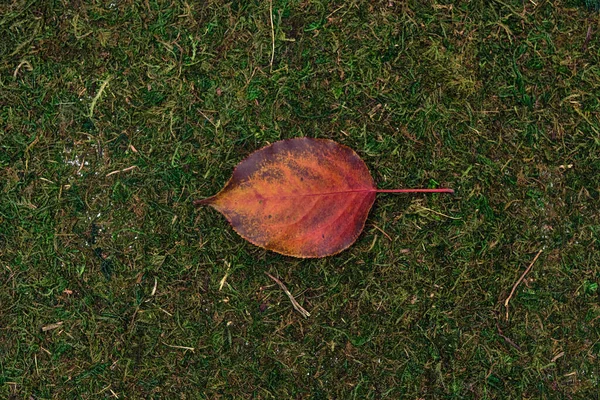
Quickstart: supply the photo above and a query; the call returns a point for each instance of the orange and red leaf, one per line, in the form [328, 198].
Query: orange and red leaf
[301, 197]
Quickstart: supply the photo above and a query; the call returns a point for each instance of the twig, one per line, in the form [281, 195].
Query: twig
[519, 281]
[297, 306]
[272, 35]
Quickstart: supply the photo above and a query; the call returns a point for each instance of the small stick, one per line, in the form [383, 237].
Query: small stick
[297, 306]
[519, 281]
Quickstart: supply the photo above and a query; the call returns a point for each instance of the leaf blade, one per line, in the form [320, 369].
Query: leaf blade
[300, 197]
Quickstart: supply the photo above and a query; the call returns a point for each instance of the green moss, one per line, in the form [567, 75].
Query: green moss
[496, 100]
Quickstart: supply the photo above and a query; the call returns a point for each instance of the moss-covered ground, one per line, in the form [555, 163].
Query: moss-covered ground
[116, 114]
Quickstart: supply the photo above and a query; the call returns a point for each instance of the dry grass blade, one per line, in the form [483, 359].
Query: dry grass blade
[512, 292]
[50, 327]
[97, 97]
[222, 282]
[506, 338]
[296, 305]
[121, 170]
[272, 35]
[192, 349]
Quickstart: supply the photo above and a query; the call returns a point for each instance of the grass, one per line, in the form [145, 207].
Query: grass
[110, 280]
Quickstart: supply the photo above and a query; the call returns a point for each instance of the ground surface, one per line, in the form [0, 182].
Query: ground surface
[116, 115]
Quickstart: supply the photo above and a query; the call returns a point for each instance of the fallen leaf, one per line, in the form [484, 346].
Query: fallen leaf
[300, 197]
